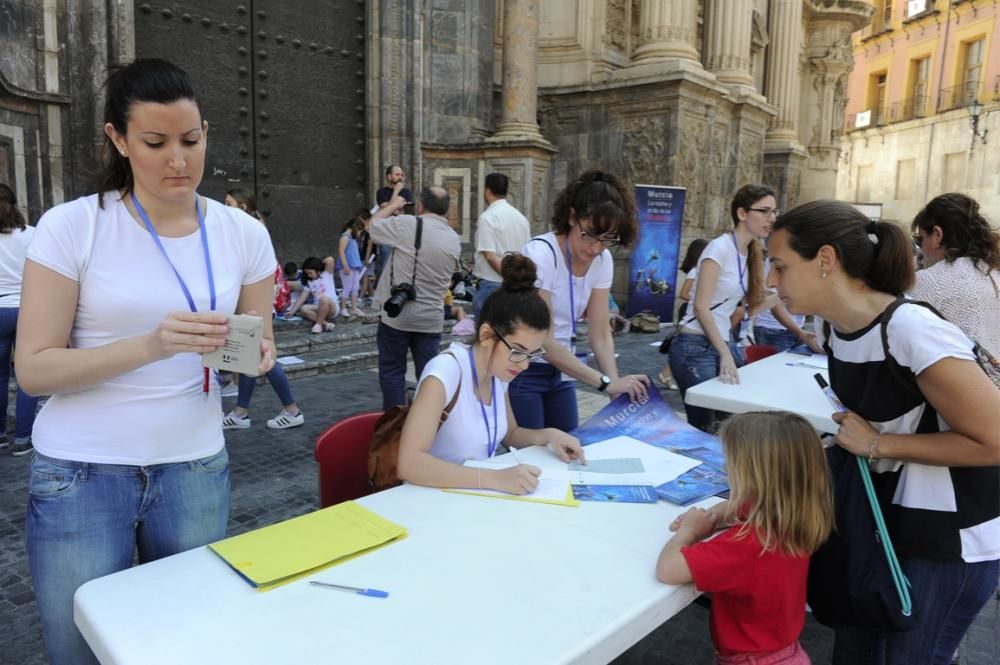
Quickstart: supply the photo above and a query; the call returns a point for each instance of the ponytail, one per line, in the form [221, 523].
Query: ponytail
[878, 253]
[10, 217]
[755, 270]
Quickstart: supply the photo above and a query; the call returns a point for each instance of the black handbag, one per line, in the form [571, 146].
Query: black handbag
[854, 577]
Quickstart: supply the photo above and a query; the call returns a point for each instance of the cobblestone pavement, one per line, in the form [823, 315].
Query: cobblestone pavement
[274, 478]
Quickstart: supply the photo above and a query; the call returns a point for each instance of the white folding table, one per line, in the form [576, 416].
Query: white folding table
[778, 382]
[476, 580]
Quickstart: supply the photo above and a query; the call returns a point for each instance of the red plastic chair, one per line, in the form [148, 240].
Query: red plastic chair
[342, 453]
[756, 352]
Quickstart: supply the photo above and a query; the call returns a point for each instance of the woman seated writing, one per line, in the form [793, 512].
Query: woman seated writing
[513, 326]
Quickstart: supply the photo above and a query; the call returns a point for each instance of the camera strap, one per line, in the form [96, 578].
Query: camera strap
[416, 253]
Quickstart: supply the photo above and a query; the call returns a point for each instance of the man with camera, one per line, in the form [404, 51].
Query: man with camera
[411, 291]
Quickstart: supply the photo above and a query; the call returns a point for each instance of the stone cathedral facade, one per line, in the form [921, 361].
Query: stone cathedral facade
[309, 100]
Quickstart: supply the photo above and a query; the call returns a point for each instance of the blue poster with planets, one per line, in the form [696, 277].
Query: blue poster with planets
[652, 279]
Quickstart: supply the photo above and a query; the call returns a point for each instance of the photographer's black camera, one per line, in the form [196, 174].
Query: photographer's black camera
[400, 294]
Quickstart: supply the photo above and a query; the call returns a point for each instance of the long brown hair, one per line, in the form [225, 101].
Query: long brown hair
[746, 198]
[10, 217]
[779, 481]
[964, 229]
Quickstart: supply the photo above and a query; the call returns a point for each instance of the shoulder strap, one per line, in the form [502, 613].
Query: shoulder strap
[555, 262]
[907, 379]
[458, 391]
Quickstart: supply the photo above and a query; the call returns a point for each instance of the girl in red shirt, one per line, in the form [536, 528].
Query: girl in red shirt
[780, 512]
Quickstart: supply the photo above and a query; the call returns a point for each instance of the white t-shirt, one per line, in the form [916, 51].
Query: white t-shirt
[324, 286]
[157, 413]
[464, 435]
[500, 229]
[13, 248]
[728, 288]
[554, 277]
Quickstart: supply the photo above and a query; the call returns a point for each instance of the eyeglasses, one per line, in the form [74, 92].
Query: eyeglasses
[918, 239]
[518, 356]
[767, 212]
[593, 239]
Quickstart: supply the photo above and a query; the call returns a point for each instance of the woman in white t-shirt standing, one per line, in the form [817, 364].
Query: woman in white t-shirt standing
[129, 451]
[15, 235]
[514, 323]
[593, 213]
[730, 270]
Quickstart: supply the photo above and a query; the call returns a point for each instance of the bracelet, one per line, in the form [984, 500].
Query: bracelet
[479, 483]
[871, 448]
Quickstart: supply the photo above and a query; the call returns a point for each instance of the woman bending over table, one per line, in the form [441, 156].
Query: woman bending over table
[730, 270]
[575, 269]
[513, 325]
[123, 292]
[927, 418]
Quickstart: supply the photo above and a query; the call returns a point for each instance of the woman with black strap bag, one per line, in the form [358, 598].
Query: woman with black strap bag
[919, 409]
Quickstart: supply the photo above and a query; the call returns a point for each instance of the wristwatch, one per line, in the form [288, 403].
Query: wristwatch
[605, 382]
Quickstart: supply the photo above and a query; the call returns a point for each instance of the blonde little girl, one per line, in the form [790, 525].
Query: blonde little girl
[779, 513]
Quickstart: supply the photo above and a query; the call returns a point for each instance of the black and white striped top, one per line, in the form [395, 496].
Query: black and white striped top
[933, 512]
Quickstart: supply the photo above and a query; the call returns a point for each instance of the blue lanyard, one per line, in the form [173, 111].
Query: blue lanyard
[490, 440]
[204, 245]
[742, 270]
[572, 296]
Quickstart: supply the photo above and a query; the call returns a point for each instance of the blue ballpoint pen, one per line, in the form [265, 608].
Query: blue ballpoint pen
[374, 593]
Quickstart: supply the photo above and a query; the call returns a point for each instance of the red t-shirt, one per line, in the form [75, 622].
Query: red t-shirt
[758, 601]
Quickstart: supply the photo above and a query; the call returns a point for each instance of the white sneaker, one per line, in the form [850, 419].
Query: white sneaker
[230, 389]
[233, 421]
[284, 420]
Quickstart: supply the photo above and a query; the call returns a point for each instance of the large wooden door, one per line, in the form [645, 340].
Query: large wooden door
[282, 86]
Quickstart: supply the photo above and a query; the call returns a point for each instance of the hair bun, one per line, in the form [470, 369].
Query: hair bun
[519, 272]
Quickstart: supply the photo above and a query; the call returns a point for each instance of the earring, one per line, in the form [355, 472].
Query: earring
[124, 154]
[823, 274]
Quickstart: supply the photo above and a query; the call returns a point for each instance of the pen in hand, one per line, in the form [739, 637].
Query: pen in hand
[374, 593]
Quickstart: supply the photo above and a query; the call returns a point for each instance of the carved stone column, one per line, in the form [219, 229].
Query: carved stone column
[667, 29]
[728, 40]
[519, 90]
[783, 84]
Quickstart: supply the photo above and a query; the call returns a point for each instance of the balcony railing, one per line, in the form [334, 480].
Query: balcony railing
[908, 109]
[958, 96]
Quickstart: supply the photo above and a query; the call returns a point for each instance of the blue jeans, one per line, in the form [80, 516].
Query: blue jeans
[87, 520]
[392, 347]
[783, 339]
[26, 405]
[483, 290]
[539, 397]
[693, 360]
[947, 596]
[278, 380]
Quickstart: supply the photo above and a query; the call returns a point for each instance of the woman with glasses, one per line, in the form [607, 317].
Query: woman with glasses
[594, 213]
[730, 271]
[470, 383]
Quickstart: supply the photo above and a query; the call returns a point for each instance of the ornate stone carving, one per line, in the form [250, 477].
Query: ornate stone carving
[645, 148]
[616, 27]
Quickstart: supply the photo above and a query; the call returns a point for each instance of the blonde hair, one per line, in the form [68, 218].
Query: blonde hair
[779, 482]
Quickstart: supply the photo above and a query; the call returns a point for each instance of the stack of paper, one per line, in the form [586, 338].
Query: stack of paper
[283, 552]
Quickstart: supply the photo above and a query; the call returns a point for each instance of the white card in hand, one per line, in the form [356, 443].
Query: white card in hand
[241, 352]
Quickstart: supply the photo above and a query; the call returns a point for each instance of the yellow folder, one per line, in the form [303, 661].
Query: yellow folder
[283, 552]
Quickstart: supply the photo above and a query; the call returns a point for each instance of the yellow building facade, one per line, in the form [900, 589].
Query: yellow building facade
[923, 108]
